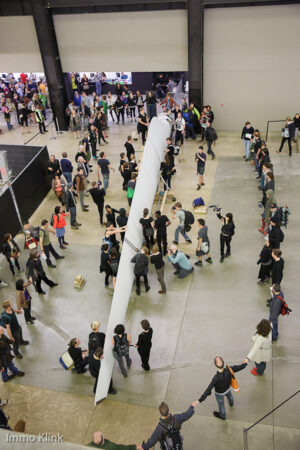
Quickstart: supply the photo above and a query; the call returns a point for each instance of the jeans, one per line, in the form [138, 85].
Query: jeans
[180, 229]
[138, 282]
[190, 131]
[81, 199]
[182, 273]
[98, 88]
[105, 180]
[225, 240]
[49, 249]
[121, 362]
[72, 210]
[209, 151]
[68, 176]
[289, 144]
[151, 111]
[220, 400]
[274, 330]
[247, 145]
[13, 370]
[261, 367]
[256, 162]
[27, 312]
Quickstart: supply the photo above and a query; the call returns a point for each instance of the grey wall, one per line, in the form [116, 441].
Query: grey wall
[252, 64]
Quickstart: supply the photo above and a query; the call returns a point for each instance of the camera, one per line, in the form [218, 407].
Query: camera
[216, 208]
[173, 208]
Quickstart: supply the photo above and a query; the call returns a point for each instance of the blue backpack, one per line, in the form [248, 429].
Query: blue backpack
[198, 202]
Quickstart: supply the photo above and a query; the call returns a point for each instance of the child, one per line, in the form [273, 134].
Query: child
[144, 344]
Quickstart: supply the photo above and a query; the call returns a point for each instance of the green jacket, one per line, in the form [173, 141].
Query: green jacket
[108, 445]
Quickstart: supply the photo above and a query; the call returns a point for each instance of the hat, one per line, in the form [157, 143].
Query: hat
[6, 304]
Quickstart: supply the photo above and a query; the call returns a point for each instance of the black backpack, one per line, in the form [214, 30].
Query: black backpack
[95, 341]
[36, 233]
[140, 265]
[122, 346]
[188, 220]
[214, 134]
[172, 439]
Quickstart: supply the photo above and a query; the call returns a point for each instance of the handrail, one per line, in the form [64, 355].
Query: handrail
[33, 137]
[245, 430]
[269, 121]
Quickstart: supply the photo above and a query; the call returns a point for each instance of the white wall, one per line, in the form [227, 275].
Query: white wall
[252, 64]
[19, 50]
[134, 42]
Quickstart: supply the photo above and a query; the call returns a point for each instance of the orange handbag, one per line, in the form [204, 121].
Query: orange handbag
[233, 384]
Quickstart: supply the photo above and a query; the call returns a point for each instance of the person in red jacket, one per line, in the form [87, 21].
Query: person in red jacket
[59, 224]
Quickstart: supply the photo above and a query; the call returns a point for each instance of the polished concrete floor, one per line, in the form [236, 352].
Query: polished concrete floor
[214, 311]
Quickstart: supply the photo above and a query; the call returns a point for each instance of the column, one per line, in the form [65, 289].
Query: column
[195, 50]
[50, 56]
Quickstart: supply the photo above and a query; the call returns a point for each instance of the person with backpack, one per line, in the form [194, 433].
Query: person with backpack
[167, 431]
[121, 342]
[6, 358]
[140, 261]
[24, 300]
[45, 244]
[210, 137]
[11, 251]
[203, 246]
[180, 262]
[227, 231]
[221, 382]
[147, 223]
[35, 272]
[275, 306]
[177, 212]
[14, 330]
[261, 351]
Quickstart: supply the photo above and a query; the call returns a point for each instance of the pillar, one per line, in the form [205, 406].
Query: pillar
[50, 56]
[195, 50]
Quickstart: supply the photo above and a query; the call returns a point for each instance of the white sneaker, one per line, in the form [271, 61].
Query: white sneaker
[2, 284]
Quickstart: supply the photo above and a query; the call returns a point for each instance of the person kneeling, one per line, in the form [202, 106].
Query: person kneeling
[180, 262]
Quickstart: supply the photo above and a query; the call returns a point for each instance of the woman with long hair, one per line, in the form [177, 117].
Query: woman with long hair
[11, 251]
[261, 351]
[227, 231]
[59, 224]
[167, 170]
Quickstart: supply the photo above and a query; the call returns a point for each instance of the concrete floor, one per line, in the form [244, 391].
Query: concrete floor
[214, 311]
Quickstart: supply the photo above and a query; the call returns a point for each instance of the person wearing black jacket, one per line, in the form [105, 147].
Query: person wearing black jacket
[161, 223]
[140, 261]
[111, 215]
[221, 383]
[120, 109]
[129, 147]
[227, 231]
[288, 133]
[210, 137]
[94, 368]
[297, 125]
[122, 220]
[157, 259]
[36, 272]
[151, 105]
[275, 305]
[104, 263]
[278, 266]
[79, 356]
[98, 194]
[275, 234]
[53, 167]
[247, 136]
[265, 261]
[11, 251]
[6, 358]
[131, 103]
[144, 344]
[99, 125]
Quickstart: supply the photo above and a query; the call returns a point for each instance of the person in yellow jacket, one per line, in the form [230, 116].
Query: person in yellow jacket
[40, 120]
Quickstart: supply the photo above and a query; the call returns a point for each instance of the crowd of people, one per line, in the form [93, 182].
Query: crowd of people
[70, 186]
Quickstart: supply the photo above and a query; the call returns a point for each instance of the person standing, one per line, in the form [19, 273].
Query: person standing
[168, 427]
[131, 102]
[275, 306]
[53, 167]
[66, 167]
[288, 133]
[227, 231]
[94, 368]
[151, 105]
[265, 261]
[93, 141]
[142, 124]
[177, 212]
[278, 266]
[210, 137]
[160, 225]
[24, 300]
[6, 358]
[98, 193]
[122, 220]
[36, 272]
[147, 223]
[247, 137]
[200, 159]
[157, 259]
[180, 262]
[98, 80]
[261, 351]
[104, 263]
[59, 224]
[121, 342]
[203, 246]
[13, 328]
[40, 119]
[297, 125]
[129, 147]
[45, 244]
[105, 167]
[79, 182]
[140, 261]
[144, 344]
[11, 251]
[179, 128]
[221, 383]
[71, 207]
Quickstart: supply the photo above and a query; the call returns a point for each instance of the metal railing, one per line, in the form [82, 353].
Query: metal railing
[245, 430]
[271, 121]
